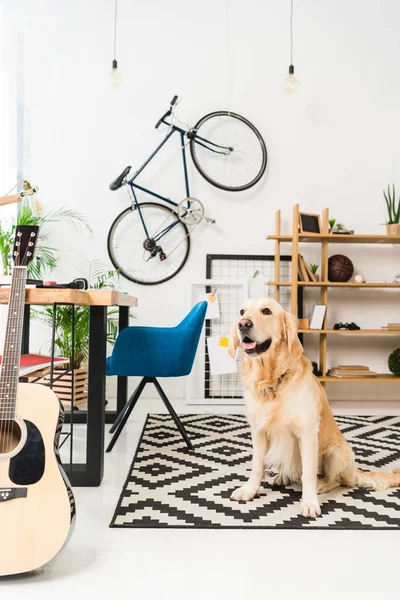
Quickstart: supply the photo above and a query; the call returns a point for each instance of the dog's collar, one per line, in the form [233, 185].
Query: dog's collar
[274, 388]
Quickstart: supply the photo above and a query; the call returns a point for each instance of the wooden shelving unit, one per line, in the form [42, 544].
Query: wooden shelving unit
[325, 239]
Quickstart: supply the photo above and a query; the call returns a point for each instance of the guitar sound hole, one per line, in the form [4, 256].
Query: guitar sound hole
[10, 436]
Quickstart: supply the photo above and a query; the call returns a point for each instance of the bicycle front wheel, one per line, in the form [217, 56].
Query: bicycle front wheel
[228, 151]
[148, 243]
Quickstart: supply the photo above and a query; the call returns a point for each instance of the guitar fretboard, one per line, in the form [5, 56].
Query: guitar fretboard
[12, 345]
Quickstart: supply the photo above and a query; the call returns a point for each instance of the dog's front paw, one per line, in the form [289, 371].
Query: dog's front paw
[244, 493]
[310, 509]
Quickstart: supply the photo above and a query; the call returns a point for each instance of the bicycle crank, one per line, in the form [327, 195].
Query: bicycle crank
[190, 211]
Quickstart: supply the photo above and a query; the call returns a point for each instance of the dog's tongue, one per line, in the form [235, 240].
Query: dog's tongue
[249, 345]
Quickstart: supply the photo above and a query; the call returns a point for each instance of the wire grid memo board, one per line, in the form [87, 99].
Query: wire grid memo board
[231, 267]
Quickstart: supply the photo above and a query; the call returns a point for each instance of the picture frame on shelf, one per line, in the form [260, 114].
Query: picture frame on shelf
[309, 223]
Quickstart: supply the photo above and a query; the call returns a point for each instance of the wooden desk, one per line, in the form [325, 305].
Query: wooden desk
[89, 473]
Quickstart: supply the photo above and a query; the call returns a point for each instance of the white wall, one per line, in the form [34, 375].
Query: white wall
[334, 143]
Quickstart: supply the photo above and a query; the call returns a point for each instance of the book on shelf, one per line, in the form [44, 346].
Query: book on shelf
[35, 362]
[391, 326]
[351, 371]
[302, 272]
[352, 367]
[318, 316]
[305, 273]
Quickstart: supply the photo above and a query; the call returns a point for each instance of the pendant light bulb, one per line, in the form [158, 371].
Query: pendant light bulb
[291, 83]
[115, 76]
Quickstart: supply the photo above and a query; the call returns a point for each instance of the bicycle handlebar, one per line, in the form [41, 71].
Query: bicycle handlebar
[168, 113]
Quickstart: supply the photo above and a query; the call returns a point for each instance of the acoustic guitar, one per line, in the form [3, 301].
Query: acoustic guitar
[37, 507]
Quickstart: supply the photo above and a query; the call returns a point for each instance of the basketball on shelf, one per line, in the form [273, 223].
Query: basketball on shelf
[340, 268]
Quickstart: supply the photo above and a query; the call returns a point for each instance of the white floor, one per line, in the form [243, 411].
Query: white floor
[100, 562]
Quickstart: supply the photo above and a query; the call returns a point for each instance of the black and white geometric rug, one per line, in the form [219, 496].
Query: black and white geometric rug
[169, 486]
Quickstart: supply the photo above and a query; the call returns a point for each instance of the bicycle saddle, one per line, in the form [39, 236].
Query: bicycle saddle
[117, 183]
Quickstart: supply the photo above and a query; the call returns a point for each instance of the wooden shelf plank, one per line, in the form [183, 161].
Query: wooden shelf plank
[380, 378]
[339, 284]
[350, 284]
[350, 332]
[337, 238]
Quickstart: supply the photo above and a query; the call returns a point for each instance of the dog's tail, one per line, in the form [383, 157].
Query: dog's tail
[377, 481]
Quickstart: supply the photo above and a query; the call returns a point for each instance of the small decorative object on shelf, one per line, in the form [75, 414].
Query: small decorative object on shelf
[393, 208]
[340, 228]
[318, 316]
[314, 269]
[340, 268]
[359, 278]
[394, 362]
[315, 369]
[349, 326]
[304, 323]
[331, 224]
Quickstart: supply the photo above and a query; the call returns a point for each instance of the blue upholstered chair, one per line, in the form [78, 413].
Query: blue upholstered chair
[151, 352]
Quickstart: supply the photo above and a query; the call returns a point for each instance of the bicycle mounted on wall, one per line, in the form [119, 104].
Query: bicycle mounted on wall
[149, 242]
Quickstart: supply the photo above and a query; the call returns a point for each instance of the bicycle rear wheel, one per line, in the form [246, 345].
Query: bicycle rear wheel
[228, 151]
[153, 258]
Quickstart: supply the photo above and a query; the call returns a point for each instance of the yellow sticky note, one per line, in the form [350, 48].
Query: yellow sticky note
[224, 341]
[211, 298]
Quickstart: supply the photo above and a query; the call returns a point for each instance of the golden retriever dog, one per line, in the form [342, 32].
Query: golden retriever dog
[292, 426]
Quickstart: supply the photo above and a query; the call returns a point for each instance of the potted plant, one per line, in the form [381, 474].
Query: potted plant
[331, 224]
[99, 277]
[26, 215]
[314, 269]
[393, 208]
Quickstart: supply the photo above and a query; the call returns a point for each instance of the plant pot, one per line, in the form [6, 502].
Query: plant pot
[63, 386]
[393, 228]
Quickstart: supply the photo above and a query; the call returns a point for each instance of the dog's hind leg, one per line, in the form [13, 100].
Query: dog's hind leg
[338, 467]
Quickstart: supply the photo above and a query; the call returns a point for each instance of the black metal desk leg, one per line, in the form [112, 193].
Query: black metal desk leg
[122, 382]
[26, 329]
[96, 394]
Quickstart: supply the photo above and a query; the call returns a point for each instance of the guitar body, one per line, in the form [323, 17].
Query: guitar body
[37, 508]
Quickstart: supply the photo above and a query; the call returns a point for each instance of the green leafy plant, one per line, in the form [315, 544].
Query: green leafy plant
[332, 223]
[314, 269]
[394, 362]
[339, 227]
[99, 277]
[27, 216]
[393, 207]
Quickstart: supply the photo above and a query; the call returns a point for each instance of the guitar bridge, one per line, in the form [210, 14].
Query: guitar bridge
[12, 493]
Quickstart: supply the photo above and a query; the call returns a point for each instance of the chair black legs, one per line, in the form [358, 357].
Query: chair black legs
[124, 415]
[173, 414]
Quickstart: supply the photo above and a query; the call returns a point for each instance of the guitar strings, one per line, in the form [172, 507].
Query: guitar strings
[19, 276]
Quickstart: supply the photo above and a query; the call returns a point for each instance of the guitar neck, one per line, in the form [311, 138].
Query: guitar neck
[12, 345]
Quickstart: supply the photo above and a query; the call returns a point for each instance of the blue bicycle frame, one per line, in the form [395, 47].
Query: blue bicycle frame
[182, 133]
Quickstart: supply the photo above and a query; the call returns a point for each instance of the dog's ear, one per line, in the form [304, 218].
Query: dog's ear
[233, 340]
[289, 335]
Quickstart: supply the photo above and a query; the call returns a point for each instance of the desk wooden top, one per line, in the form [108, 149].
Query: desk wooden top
[78, 297]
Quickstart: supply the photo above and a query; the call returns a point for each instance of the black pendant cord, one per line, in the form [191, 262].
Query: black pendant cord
[115, 31]
[291, 32]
